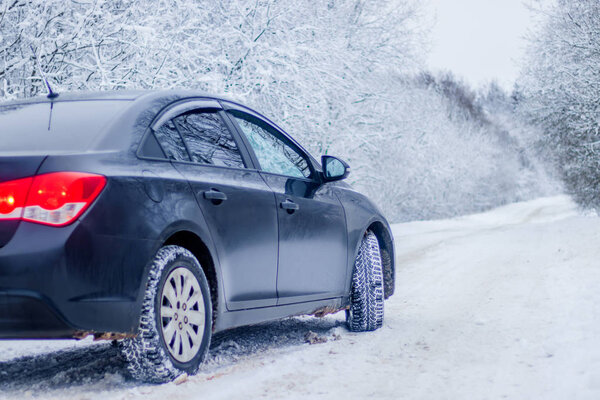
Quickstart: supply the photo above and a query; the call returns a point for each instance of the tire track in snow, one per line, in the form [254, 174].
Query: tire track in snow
[100, 367]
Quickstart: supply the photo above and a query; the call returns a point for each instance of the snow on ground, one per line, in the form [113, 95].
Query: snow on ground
[503, 304]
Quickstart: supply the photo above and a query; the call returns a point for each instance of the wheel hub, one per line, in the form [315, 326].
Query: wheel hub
[182, 314]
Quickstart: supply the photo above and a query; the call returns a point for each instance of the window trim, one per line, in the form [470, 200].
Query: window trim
[139, 153]
[181, 107]
[178, 129]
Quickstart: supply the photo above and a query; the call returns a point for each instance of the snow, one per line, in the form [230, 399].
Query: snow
[503, 304]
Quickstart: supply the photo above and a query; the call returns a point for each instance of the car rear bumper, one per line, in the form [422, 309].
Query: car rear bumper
[61, 282]
[25, 314]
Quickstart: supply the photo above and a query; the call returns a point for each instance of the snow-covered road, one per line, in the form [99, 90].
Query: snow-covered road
[504, 304]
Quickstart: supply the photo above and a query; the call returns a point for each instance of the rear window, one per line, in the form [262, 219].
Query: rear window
[64, 126]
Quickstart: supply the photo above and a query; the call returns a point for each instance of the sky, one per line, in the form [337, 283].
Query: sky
[479, 40]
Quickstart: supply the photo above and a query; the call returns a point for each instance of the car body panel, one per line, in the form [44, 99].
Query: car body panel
[312, 241]
[363, 215]
[244, 229]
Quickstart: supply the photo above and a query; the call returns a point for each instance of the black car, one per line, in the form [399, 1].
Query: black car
[158, 218]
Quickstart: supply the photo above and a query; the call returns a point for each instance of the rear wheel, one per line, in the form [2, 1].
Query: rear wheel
[366, 297]
[175, 322]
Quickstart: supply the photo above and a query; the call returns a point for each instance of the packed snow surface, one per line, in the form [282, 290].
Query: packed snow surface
[504, 304]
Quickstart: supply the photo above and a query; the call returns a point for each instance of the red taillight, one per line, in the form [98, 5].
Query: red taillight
[56, 198]
[12, 198]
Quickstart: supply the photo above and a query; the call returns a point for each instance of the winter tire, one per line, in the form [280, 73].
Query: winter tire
[175, 322]
[366, 296]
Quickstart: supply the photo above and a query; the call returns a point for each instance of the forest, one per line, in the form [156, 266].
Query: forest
[346, 78]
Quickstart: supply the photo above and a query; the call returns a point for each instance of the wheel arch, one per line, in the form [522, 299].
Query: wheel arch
[192, 242]
[386, 245]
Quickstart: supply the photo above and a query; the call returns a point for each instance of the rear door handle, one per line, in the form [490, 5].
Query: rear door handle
[289, 206]
[215, 195]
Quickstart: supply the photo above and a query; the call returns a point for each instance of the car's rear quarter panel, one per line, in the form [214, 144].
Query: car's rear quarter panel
[99, 280]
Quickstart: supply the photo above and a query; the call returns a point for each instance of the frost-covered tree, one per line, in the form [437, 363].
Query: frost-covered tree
[336, 74]
[309, 63]
[443, 153]
[561, 89]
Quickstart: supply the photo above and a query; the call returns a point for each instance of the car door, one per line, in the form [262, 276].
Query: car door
[237, 204]
[312, 226]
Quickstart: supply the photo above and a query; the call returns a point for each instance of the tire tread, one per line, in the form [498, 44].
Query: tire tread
[367, 293]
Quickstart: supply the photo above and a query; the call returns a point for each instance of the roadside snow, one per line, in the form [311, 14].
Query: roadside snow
[503, 304]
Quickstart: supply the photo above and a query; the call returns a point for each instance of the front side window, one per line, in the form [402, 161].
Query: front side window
[273, 154]
[208, 139]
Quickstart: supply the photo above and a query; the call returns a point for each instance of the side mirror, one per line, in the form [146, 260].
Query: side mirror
[334, 169]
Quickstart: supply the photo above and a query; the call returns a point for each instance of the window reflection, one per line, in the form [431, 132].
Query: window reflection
[273, 154]
[171, 142]
[209, 140]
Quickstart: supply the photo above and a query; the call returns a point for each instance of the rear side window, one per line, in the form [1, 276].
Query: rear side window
[61, 126]
[208, 139]
[171, 142]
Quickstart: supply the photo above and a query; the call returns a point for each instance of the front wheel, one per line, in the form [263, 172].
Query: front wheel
[175, 322]
[366, 296]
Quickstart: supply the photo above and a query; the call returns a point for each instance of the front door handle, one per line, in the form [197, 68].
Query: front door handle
[216, 196]
[289, 206]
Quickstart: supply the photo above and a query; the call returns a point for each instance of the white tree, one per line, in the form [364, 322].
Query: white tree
[561, 83]
[336, 74]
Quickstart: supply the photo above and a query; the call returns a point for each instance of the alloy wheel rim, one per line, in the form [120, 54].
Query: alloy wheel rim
[182, 314]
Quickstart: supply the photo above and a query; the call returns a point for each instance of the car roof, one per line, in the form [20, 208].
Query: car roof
[112, 95]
